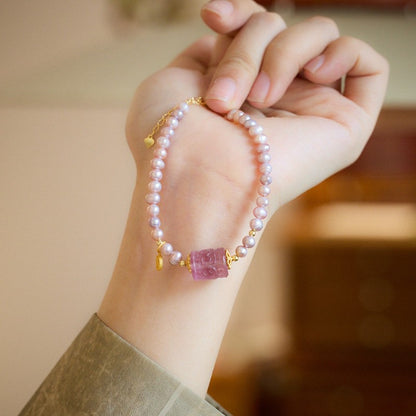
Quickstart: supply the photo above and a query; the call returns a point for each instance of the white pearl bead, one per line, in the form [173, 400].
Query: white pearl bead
[264, 157]
[230, 114]
[241, 251]
[175, 257]
[244, 118]
[160, 152]
[249, 241]
[184, 107]
[260, 213]
[237, 115]
[255, 130]
[157, 163]
[260, 139]
[265, 168]
[256, 224]
[264, 147]
[163, 142]
[153, 198]
[166, 249]
[157, 234]
[167, 132]
[264, 190]
[155, 174]
[262, 201]
[250, 123]
[154, 222]
[172, 122]
[266, 179]
[154, 186]
[153, 210]
[178, 114]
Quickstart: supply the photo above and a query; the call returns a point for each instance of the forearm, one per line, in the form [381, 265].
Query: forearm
[176, 321]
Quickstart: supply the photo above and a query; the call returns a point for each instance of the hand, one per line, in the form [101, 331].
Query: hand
[288, 80]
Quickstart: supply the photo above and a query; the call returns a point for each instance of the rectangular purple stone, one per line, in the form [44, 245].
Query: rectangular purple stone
[209, 264]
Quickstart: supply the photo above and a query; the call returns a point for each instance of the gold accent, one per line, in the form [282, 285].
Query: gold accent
[188, 263]
[159, 262]
[182, 263]
[149, 141]
[252, 233]
[228, 259]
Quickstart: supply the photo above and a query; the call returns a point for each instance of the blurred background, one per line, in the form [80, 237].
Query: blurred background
[324, 324]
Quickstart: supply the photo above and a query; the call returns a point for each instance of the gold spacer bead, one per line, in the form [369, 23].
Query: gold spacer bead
[252, 233]
[182, 263]
[188, 263]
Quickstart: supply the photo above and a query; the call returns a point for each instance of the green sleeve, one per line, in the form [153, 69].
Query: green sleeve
[102, 374]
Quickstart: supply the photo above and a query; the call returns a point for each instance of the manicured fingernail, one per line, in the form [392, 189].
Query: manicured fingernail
[219, 7]
[314, 64]
[260, 88]
[223, 89]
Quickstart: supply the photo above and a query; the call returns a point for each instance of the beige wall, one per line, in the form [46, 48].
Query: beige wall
[66, 176]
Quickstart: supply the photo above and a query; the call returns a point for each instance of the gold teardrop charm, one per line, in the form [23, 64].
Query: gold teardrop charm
[159, 262]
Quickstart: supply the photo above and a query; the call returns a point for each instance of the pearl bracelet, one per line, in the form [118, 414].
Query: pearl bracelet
[209, 263]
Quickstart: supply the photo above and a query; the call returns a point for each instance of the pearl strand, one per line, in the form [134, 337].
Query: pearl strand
[167, 125]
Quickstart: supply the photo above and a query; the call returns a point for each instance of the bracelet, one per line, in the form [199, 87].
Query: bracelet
[209, 263]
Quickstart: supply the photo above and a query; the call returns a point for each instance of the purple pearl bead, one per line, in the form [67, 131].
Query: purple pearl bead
[266, 179]
[154, 186]
[256, 224]
[153, 210]
[157, 234]
[172, 122]
[249, 241]
[230, 114]
[160, 152]
[175, 257]
[163, 141]
[157, 163]
[255, 130]
[154, 222]
[166, 249]
[260, 139]
[152, 198]
[241, 251]
[264, 147]
[184, 107]
[155, 174]
[167, 132]
[264, 190]
[262, 201]
[264, 158]
[265, 168]
[260, 213]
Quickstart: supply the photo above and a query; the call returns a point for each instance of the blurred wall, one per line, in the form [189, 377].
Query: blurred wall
[68, 72]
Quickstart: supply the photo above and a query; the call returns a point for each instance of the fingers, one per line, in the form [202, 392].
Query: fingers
[227, 16]
[263, 59]
[239, 67]
[366, 72]
[286, 55]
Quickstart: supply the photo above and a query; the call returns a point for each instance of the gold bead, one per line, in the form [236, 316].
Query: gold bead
[252, 233]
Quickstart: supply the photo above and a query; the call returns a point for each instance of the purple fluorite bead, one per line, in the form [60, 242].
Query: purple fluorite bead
[209, 264]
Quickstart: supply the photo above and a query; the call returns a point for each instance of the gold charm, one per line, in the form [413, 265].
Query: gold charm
[159, 262]
[149, 142]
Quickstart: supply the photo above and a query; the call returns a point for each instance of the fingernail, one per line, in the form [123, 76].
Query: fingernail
[260, 88]
[314, 64]
[219, 7]
[223, 89]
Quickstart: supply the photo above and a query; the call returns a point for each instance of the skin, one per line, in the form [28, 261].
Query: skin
[286, 78]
